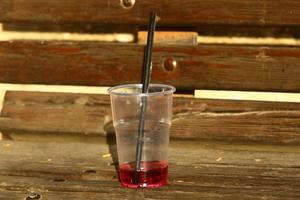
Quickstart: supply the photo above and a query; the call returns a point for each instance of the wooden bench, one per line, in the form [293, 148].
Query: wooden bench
[60, 145]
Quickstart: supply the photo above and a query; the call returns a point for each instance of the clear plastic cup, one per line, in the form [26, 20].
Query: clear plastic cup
[126, 103]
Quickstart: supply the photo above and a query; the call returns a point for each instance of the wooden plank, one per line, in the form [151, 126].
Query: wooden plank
[56, 113]
[197, 170]
[170, 38]
[172, 13]
[236, 120]
[82, 114]
[202, 67]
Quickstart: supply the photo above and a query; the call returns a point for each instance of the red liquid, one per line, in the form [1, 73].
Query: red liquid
[153, 174]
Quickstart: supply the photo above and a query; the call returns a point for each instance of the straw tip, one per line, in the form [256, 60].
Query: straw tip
[153, 14]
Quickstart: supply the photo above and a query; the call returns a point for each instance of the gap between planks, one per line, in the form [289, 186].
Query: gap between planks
[130, 38]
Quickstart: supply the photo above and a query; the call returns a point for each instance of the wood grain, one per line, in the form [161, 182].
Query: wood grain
[236, 120]
[82, 114]
[200, 67]
[56, 113]
[172, 13]
[197, 170]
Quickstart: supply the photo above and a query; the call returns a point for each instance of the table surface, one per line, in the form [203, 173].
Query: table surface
[197, 170]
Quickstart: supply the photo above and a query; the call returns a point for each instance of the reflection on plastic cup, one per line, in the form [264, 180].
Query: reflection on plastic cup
[126, 101]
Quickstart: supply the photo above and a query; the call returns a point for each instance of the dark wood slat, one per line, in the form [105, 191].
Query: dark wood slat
[197, 170]
[81, 114]
[105, 28]
[171, 12]
[204, 66]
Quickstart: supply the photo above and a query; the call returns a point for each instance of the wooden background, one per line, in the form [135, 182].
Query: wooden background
[210, 66]
[184, 13]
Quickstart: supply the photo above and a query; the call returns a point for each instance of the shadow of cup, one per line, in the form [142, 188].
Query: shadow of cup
[112, 144]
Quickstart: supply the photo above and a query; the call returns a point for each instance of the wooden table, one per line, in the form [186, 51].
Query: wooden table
[198, 170]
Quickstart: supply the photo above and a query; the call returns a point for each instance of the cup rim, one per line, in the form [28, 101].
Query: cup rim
[170, 90]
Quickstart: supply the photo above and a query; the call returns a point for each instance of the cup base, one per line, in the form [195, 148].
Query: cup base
[153, 174]
[144, 185]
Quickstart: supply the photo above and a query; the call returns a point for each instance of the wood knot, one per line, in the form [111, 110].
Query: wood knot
[170, 64]
[127, 4]
[33, 196]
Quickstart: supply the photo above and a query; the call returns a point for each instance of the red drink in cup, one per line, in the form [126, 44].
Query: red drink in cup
[153, 174]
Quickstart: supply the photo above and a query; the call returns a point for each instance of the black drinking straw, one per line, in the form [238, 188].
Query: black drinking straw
[145, 81]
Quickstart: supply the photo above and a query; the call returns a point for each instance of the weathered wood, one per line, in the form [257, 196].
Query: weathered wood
[197, 170]
[236, 120]
[171, 12]
[71, 113]
[82, 114]
[56, 113]
[201, 67]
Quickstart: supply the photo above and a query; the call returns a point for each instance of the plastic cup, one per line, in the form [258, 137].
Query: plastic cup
[126, 104]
